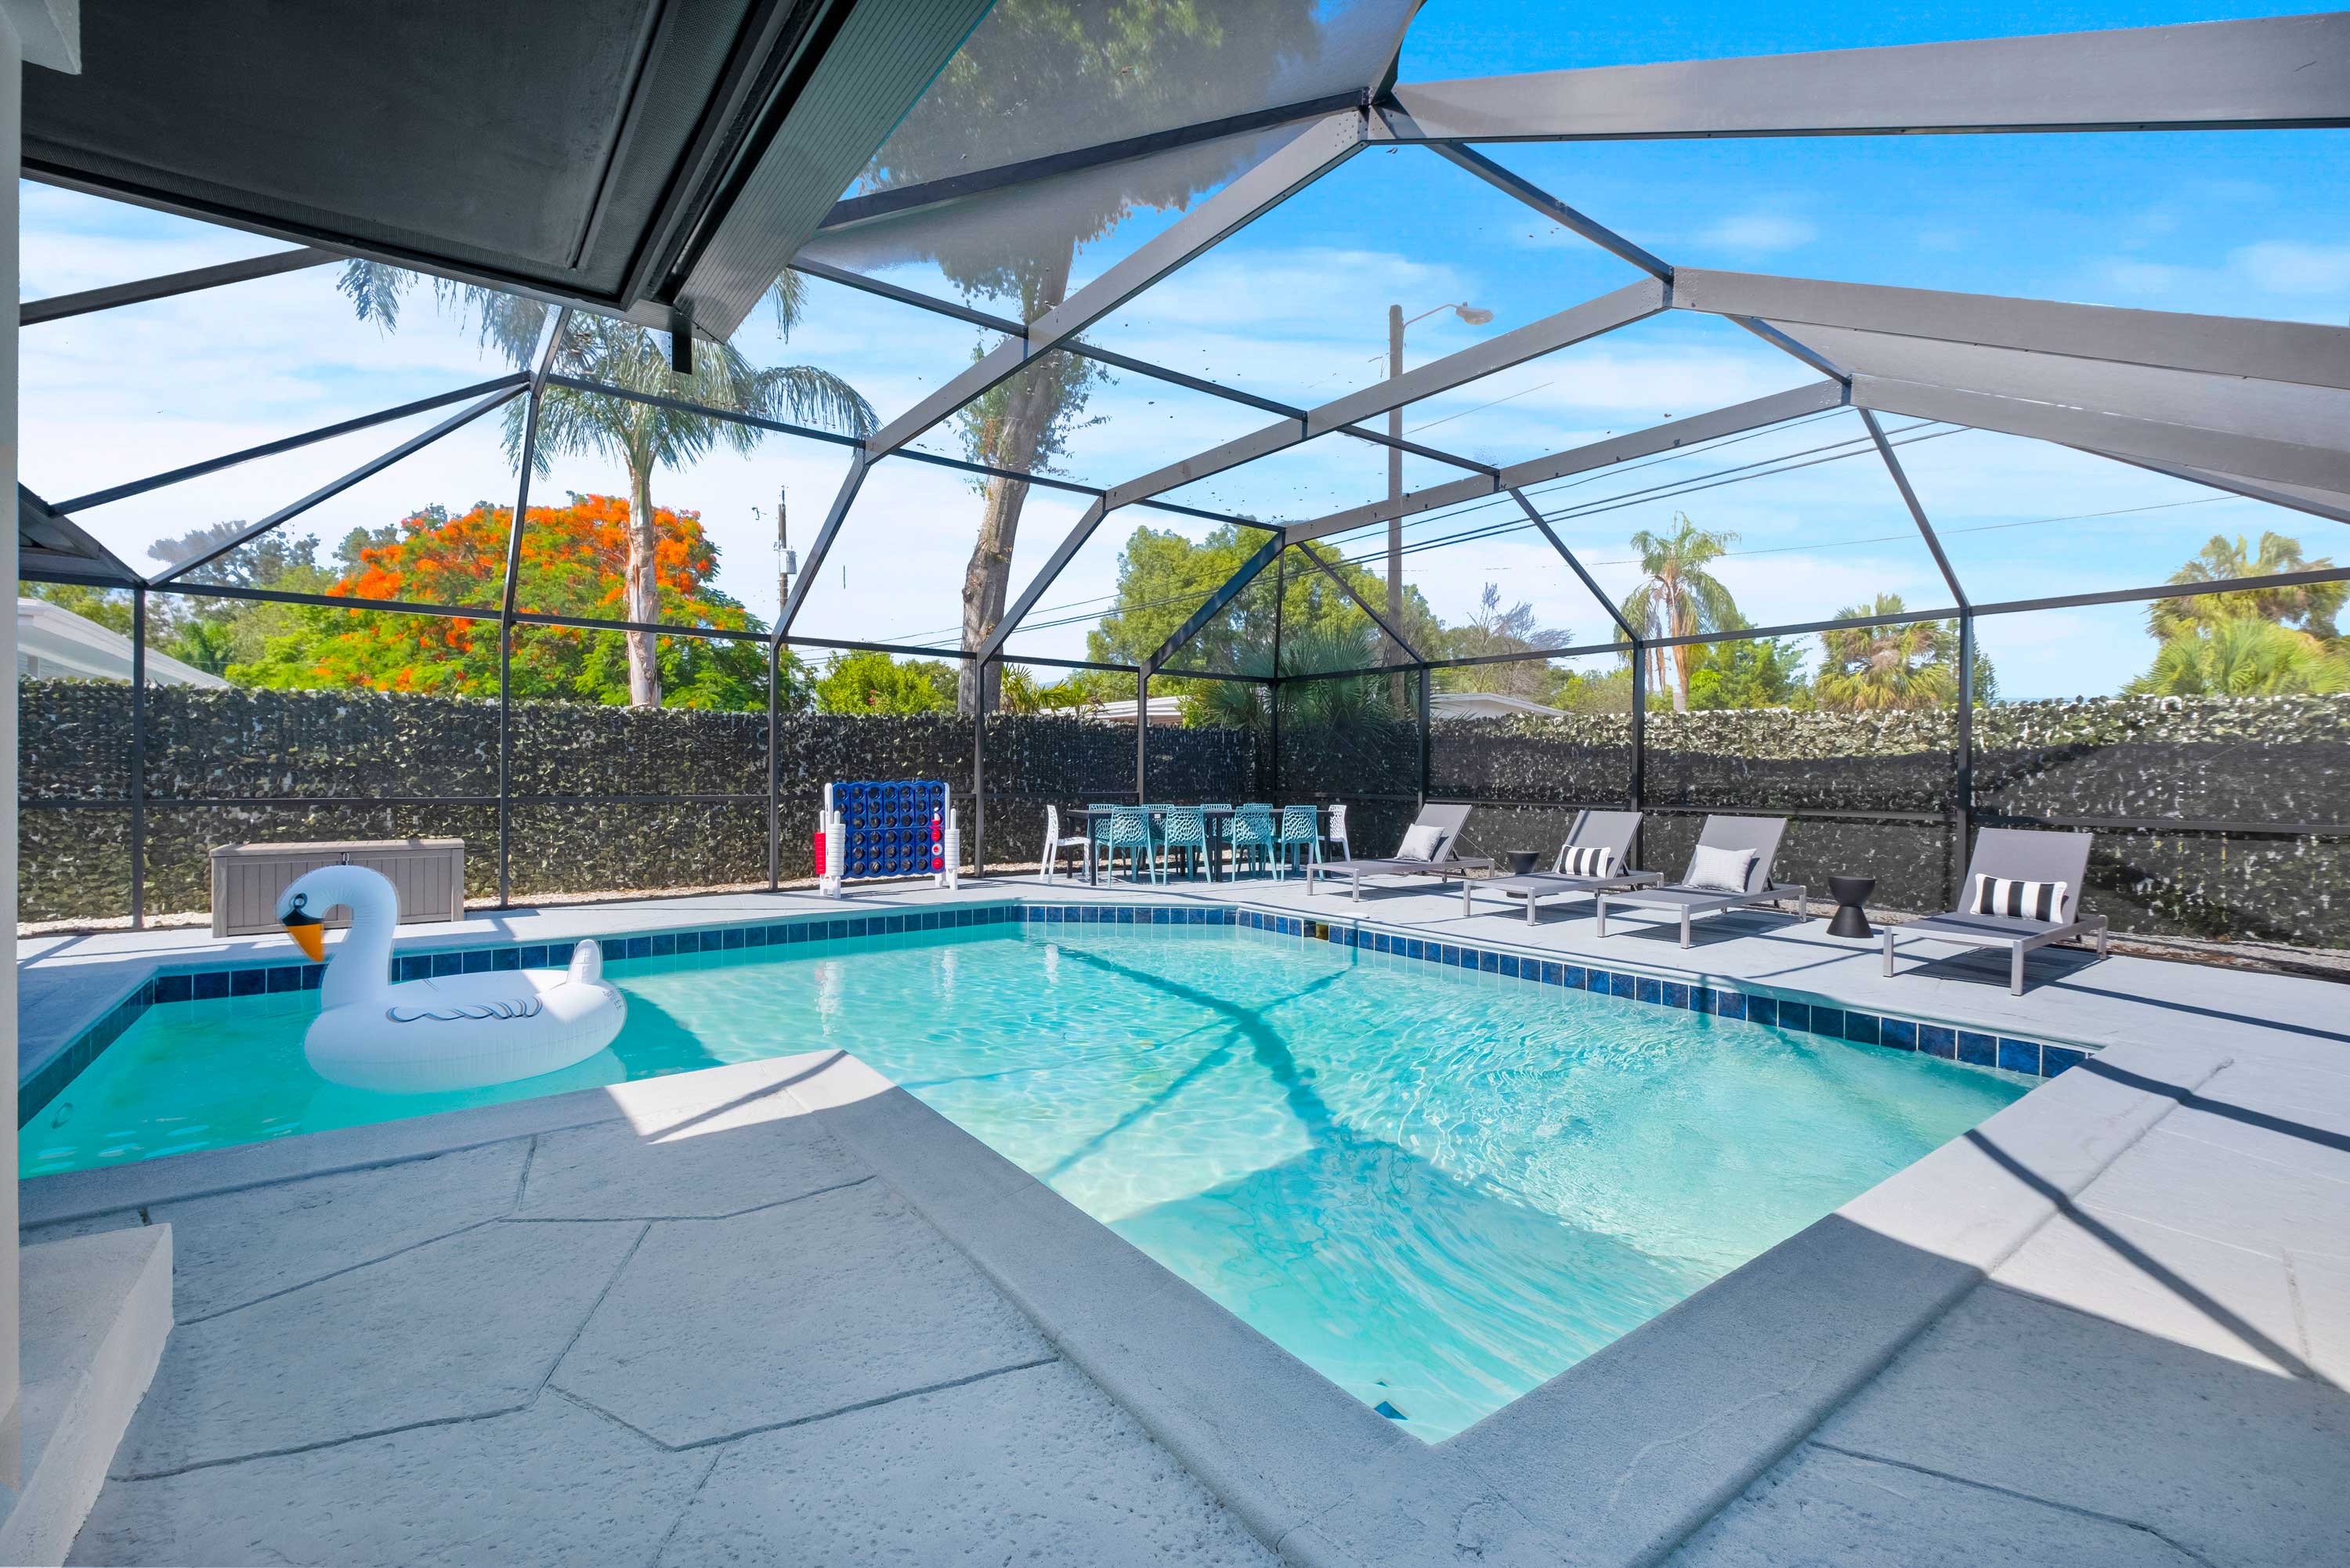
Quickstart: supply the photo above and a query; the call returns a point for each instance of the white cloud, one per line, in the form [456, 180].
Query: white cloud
[2286, 266]
[1761, 233]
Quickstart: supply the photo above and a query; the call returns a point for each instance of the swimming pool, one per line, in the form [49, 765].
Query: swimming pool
[1437, 1187]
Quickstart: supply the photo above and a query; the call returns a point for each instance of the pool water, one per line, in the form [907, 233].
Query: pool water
[1439, 1188]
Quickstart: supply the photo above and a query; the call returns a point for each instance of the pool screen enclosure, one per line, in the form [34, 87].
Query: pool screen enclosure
[1875, 374]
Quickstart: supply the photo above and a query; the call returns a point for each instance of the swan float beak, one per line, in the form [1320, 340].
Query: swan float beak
[309, 934]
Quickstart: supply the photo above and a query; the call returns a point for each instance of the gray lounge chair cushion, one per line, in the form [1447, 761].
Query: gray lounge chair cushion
[1697, 900]
[1988, 929]
[1391, 866]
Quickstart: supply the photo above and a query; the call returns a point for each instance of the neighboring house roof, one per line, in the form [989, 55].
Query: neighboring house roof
[54, 643]
[1485, 705]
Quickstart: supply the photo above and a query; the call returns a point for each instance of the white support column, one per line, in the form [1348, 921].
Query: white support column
[43, 32]
[12, 105]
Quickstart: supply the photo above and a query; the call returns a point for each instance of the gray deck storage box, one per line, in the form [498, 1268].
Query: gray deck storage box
[428, 873]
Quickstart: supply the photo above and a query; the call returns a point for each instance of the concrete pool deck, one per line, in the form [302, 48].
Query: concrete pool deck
[784, 1311]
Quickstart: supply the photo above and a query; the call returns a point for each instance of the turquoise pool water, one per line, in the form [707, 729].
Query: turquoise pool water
[1439, 1188]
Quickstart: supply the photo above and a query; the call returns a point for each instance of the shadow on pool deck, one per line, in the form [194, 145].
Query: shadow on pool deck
[708, 1322]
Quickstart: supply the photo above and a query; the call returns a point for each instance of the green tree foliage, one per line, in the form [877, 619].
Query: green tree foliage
[1759, 672]
[2251, 642]
[1679, 597]
[2309, 607]
[2243, 656]
[1585, 692]
[1891, 664]
[1490, 630]
[572, 562]
[1164, 577]
[640, 437]
[871, 683]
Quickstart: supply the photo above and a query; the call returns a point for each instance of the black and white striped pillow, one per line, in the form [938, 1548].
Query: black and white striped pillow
[1594, 861]
[2006, 895]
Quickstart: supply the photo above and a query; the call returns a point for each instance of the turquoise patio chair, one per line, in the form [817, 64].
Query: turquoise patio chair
[1301, 837]
[1253, 836]
[1098, 816]
[1183, 828]
[1129, 830]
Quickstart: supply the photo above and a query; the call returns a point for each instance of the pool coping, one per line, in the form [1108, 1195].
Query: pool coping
[1614, 1461]
[46, 1067]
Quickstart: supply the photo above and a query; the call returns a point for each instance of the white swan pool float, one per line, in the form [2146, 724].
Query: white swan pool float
[452, 1032]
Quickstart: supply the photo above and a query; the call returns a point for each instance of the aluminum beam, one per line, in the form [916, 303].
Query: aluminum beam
[2329, 503]
[1633, 302]
[1115, 360]
[1062, 554]
[1779, 407]
[2256, 458]
[1318, 150]
[58, 307]
[1917, 512]
[1541, 200]
[1266, 554]
[2239, 405]
[851, 483]
[2220, 345]
[2268, 72]
[333, 488]
[48, 539]
[898, 200]
[1411, 654]
[287, 443]
[1536, 517]
[1533, 195]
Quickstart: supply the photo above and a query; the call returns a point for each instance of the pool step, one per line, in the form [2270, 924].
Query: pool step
[97, 1310]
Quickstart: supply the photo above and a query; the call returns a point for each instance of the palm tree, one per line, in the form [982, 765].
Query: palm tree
[1678, 597]
[1887, 664]
[2310, 608]
[640, 437]
[2240, 656]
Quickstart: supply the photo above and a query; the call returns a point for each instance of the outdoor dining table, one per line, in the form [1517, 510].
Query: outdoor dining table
[1219, 845]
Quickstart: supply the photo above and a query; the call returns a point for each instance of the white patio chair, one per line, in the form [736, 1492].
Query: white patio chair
[1048, 867]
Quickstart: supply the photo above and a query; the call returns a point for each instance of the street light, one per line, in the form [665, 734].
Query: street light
[1471, 315]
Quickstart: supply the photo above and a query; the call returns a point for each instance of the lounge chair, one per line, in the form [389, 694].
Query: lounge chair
[1444, 823]
[2039, 873]
[1689, 896]
[1610, 832]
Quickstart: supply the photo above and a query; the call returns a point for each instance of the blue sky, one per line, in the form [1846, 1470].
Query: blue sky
[2252, 223]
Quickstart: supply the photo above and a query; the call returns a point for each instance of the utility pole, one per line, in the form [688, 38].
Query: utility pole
[1471, 315]
[787, 565]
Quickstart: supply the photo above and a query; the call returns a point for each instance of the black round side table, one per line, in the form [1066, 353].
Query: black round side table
[1521, 860]
[1850, 893]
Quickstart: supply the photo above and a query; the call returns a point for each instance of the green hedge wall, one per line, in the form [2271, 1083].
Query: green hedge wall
[286, 766]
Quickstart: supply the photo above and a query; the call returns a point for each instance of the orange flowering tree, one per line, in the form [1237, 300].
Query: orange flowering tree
[574, 562]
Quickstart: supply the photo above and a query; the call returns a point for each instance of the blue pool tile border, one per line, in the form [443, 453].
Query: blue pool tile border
[188, 985]
[1687, 992]
[1755, 1004]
